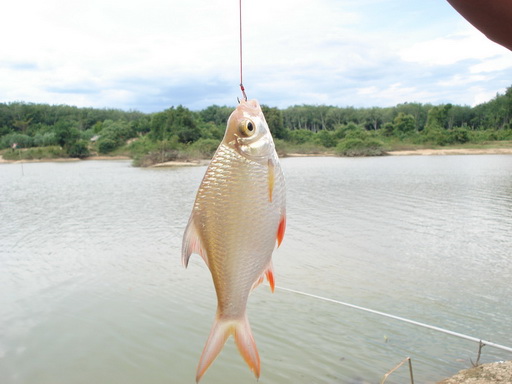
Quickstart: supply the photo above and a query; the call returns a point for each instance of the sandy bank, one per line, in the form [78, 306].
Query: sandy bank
[456, 151]
[108, 158]
[412, 152]
[180, 163]
[309, 155]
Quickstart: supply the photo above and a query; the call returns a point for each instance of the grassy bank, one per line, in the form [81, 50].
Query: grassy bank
[145, 154]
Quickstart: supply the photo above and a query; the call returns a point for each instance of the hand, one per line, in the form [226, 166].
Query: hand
[491, 17]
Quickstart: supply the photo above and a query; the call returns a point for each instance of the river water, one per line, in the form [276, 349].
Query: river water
[93, 291]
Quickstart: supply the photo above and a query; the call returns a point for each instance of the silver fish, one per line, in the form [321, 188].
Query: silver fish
[238, 217]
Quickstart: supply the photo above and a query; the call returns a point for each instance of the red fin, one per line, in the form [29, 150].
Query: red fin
[269, 273]
[244, 340]
[258, 282]
[281, 229]
[270, 277]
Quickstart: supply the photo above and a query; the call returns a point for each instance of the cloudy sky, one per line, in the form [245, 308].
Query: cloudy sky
[149, 55]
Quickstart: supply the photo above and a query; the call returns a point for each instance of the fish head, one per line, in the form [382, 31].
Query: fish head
[248, 133]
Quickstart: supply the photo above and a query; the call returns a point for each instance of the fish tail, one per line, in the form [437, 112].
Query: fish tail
[247, 346]
[221, 330]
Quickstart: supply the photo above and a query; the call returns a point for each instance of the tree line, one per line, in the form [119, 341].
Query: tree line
[178, 131]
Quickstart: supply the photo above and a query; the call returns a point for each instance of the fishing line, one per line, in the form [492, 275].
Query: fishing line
[241, 79]
[438, 329]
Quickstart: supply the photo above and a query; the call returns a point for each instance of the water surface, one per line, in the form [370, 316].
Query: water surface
[93, 289]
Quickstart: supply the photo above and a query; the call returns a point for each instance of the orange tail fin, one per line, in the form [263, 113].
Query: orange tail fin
[244, 340]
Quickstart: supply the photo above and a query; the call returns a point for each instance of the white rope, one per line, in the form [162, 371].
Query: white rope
[438, 329]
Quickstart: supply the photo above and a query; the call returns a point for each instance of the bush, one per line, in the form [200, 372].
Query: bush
[301, 136]
[141, 146]
[349, 130]
[45, 139]
[22, 141]
[282, 147]
[52, 152]
[360, 147]
[106, 145]
[206, 147]
[155, 158]
[436, 136]
[159, 152]
[78, 149]
[326, 138]
[459, 135]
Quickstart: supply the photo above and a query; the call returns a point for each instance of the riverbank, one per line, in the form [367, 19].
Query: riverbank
[64, 159]
[491, 373]
[408, 152]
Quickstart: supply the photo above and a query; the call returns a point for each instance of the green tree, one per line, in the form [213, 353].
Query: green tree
[435, 119]
[216, 114]
[78, 149]
[66, 134]
[301, 136]
[158, 126]
[404, 124]
[106, 145]
[184, 125]
[326, 138]
[275, 121]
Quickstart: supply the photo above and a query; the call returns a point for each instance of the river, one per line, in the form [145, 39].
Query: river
[93, 291]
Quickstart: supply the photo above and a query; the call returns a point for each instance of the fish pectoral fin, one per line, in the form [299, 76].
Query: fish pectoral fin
[244, 340]
[192, 244]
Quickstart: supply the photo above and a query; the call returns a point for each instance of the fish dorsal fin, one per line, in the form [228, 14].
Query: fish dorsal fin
[192, 243]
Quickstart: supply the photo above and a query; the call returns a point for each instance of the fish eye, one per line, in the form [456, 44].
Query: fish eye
[247, 128]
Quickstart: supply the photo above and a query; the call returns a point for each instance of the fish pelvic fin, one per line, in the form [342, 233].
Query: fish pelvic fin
[269, 273]
[270, 276]
[192, 243]
[221, 330]
[281, 229]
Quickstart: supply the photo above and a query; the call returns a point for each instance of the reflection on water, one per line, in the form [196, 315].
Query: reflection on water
[93, 289]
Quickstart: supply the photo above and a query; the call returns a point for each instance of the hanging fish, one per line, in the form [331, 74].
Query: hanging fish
[237, 219]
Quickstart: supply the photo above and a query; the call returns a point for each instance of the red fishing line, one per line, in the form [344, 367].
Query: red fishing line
[241, 63]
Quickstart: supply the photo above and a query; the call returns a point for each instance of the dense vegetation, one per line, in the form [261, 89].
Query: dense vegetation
[29, 130]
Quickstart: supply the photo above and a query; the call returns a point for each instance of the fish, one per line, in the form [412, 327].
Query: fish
[238, 219]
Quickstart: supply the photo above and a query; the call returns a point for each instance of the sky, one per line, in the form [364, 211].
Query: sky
[149, 55]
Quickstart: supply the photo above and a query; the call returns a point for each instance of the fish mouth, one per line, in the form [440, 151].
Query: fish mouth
[251, 106]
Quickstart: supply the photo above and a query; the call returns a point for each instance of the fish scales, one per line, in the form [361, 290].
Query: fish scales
[238, 252]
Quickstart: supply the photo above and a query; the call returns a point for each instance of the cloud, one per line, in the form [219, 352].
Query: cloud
[152, 54]
[452, 49]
